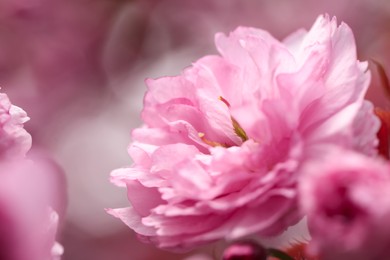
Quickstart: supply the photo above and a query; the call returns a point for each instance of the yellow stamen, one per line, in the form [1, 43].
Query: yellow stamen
[236, 126]
[224, 101]
[209, 142]
[239, 130]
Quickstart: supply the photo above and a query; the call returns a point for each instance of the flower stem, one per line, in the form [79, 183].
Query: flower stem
[279, 254]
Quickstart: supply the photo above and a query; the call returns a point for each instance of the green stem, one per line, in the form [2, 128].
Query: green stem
[279, 254]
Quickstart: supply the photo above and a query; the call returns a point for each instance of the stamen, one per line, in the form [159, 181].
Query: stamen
[209, 142]
[224, 101]
[237, 127]
[239, 130]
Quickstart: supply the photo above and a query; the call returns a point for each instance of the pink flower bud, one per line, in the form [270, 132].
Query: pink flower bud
[245, 250]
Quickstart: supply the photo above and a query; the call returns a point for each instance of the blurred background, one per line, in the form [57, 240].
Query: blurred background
[78, 68]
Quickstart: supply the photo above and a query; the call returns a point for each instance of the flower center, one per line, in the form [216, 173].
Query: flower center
[240, 132]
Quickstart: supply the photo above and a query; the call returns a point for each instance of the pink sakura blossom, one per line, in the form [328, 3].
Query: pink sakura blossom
[28, 190]
[14, 140]
[346, 198]
[28, 225]
[223, 143]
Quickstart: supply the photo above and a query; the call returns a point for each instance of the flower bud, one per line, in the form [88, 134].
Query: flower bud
[245, 250]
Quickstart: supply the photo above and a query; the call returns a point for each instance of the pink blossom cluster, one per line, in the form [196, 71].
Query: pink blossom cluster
[28, 221]
[14, 140]
[235, 146]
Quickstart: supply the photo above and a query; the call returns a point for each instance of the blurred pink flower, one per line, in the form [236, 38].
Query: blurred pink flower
[223, 143]
[346, 197]
[14, 140]
[27, 222]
